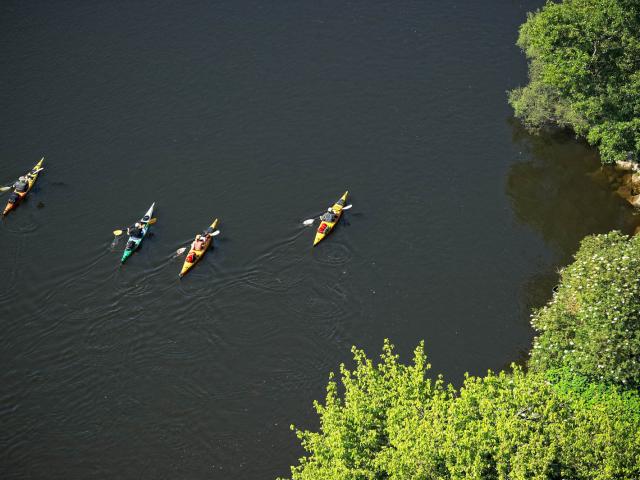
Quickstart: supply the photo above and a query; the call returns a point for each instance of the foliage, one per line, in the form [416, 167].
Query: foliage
[584, 72]
[392, 422]
[592, 324]
[574, 415]
[354, 430]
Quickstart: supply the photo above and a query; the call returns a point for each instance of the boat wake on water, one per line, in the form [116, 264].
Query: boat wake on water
[333, 254]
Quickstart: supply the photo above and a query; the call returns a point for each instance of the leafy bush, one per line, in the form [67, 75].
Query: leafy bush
[584, 73]
[392, 422]
[592, 324]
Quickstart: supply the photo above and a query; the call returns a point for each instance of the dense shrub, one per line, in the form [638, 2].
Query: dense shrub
[392, 422]
[592, 324]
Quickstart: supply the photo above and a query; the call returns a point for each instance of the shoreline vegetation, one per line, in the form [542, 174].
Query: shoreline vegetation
[573, 411]
[584, 75]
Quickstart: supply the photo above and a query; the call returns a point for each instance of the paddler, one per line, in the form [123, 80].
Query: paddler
[135, 230]
[329, 216]
[22, 184]
[198, 243]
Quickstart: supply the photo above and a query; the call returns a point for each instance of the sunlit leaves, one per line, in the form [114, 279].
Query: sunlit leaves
[392, 422]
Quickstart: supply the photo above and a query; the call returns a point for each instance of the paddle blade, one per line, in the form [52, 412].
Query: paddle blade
[180, 251]
[347, 207]
[308, 221]
[4, 189]
[216, 233]
[152, 221]
[116, 238]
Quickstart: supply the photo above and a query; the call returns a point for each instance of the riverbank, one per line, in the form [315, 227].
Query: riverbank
[625, 179]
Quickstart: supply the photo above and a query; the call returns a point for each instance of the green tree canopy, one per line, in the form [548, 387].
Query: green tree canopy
[584, 72]
[592, 324]
[393, 422]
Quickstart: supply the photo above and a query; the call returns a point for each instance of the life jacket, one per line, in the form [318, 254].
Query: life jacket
[322, 228]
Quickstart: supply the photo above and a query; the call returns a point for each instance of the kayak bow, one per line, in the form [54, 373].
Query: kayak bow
[17, 197]
[134, 242]
[327, 225]
[194, 256]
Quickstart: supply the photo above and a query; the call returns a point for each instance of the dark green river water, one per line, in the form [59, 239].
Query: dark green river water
[261, 114]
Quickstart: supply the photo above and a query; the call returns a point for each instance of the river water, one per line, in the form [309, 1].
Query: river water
[261, 114]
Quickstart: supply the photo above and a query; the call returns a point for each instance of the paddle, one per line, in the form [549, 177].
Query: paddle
[181, 250]
[9, 187]
[309, 221]
[119, 232]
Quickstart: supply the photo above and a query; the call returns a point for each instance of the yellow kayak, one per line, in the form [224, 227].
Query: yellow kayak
[16, 197]
[330, 219]
[194, 256]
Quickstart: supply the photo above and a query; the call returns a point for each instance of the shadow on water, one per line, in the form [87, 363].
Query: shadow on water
[561, 191]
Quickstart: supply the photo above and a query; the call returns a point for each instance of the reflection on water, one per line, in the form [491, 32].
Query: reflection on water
[561, 191]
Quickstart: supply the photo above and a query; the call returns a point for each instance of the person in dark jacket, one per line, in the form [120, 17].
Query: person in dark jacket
[135, 230]
[329, 216]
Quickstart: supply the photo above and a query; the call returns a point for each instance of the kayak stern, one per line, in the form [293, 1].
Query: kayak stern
[319, 237]
[8, 208]
[126, 254]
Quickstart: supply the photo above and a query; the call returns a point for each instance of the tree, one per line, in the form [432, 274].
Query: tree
[592, 324]
[584, 73]
[393, 422]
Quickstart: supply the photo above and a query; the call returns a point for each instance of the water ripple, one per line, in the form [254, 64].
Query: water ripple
[332, 253]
